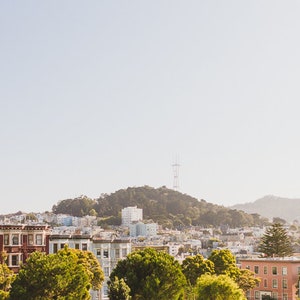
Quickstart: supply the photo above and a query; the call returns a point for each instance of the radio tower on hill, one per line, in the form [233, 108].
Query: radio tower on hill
[176, 166]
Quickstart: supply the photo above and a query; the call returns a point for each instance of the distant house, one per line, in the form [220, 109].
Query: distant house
[19, 241]
[279, 277]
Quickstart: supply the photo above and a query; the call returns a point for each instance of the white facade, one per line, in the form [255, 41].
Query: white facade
[143, 229]
[107, 251]
[131, 214]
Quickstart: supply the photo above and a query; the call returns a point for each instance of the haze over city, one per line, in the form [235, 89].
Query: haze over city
[100, 96]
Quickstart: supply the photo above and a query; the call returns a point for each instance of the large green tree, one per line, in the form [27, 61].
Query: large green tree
[224, 263]
[195, 266]
[276, 242]
[151, 275]
[67, 274]
[222, 287]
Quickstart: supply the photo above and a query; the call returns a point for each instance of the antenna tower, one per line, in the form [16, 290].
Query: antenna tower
[176, 166]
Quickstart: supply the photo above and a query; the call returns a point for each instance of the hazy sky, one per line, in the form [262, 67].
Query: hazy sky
[100, 95]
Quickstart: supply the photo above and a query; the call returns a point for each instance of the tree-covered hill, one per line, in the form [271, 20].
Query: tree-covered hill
[164, 206]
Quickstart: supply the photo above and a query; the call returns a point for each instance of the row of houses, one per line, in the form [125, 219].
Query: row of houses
[19, 241]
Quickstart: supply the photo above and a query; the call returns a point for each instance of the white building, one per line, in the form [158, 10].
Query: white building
[131, 214]
[107, 251]
[142, 229]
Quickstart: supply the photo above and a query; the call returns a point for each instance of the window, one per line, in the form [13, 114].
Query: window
[256, 269]
[98, 252]
[6, 239]
[284, 283]
[248, 267]
[55, 248]
[265, 283]
[124, 252]
[106, 271]
[274, 270]
[284, 270]
[15, 260]
[76, 246]
[285, 297]
[275, 295]
[117, 253]
[256, 295]
[84, 247]
[38, 239]
[30, 239]
[62, 245]
[274, 283]
[265, 270]
[105, 253]
[15, 239]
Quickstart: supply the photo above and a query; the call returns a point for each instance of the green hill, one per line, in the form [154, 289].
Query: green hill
[167, 207]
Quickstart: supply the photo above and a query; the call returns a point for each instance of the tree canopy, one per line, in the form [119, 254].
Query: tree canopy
[224, 263]
[222, 287]
[150, 275]
[195, 266]
[67, 274]
[276, 242]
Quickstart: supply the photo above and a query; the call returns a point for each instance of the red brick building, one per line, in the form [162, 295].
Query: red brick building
[18, 241]
[279, 277]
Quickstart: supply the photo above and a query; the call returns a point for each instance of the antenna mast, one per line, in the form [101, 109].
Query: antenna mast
[176, 166]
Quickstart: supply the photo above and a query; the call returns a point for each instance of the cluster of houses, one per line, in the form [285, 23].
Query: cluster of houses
[20, 237]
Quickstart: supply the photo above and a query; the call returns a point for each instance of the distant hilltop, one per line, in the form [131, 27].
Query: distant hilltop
[272, 207]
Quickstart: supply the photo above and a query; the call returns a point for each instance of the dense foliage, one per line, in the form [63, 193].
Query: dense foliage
[276, 242]
[167, 207]
[67, 274]
[6, 278]
[150, 275]
[222, 287]
[220, 262]
[195, 266]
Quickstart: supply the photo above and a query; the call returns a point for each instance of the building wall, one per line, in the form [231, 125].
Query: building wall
[279, 277]
[19, 241]
[131, 214]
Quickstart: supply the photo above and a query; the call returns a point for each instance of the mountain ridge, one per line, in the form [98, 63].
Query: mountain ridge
[271, 206]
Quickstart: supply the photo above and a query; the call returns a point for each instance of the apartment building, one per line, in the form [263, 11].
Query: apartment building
[131, 214]
[279, 277]
[107, 251]
[19, 241]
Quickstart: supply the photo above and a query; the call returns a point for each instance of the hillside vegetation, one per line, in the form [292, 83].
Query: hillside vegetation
[167, 207]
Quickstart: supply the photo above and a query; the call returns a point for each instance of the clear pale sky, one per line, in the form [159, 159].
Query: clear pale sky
[100, 95]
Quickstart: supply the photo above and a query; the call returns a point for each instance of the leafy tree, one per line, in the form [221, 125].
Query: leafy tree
[195, 266]
[222, 287]
[66, 274]
[90, 263]
[119, 290]
[247, 280]
[6, 278]
[276, 242]
[224, 263]
[150, 275]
